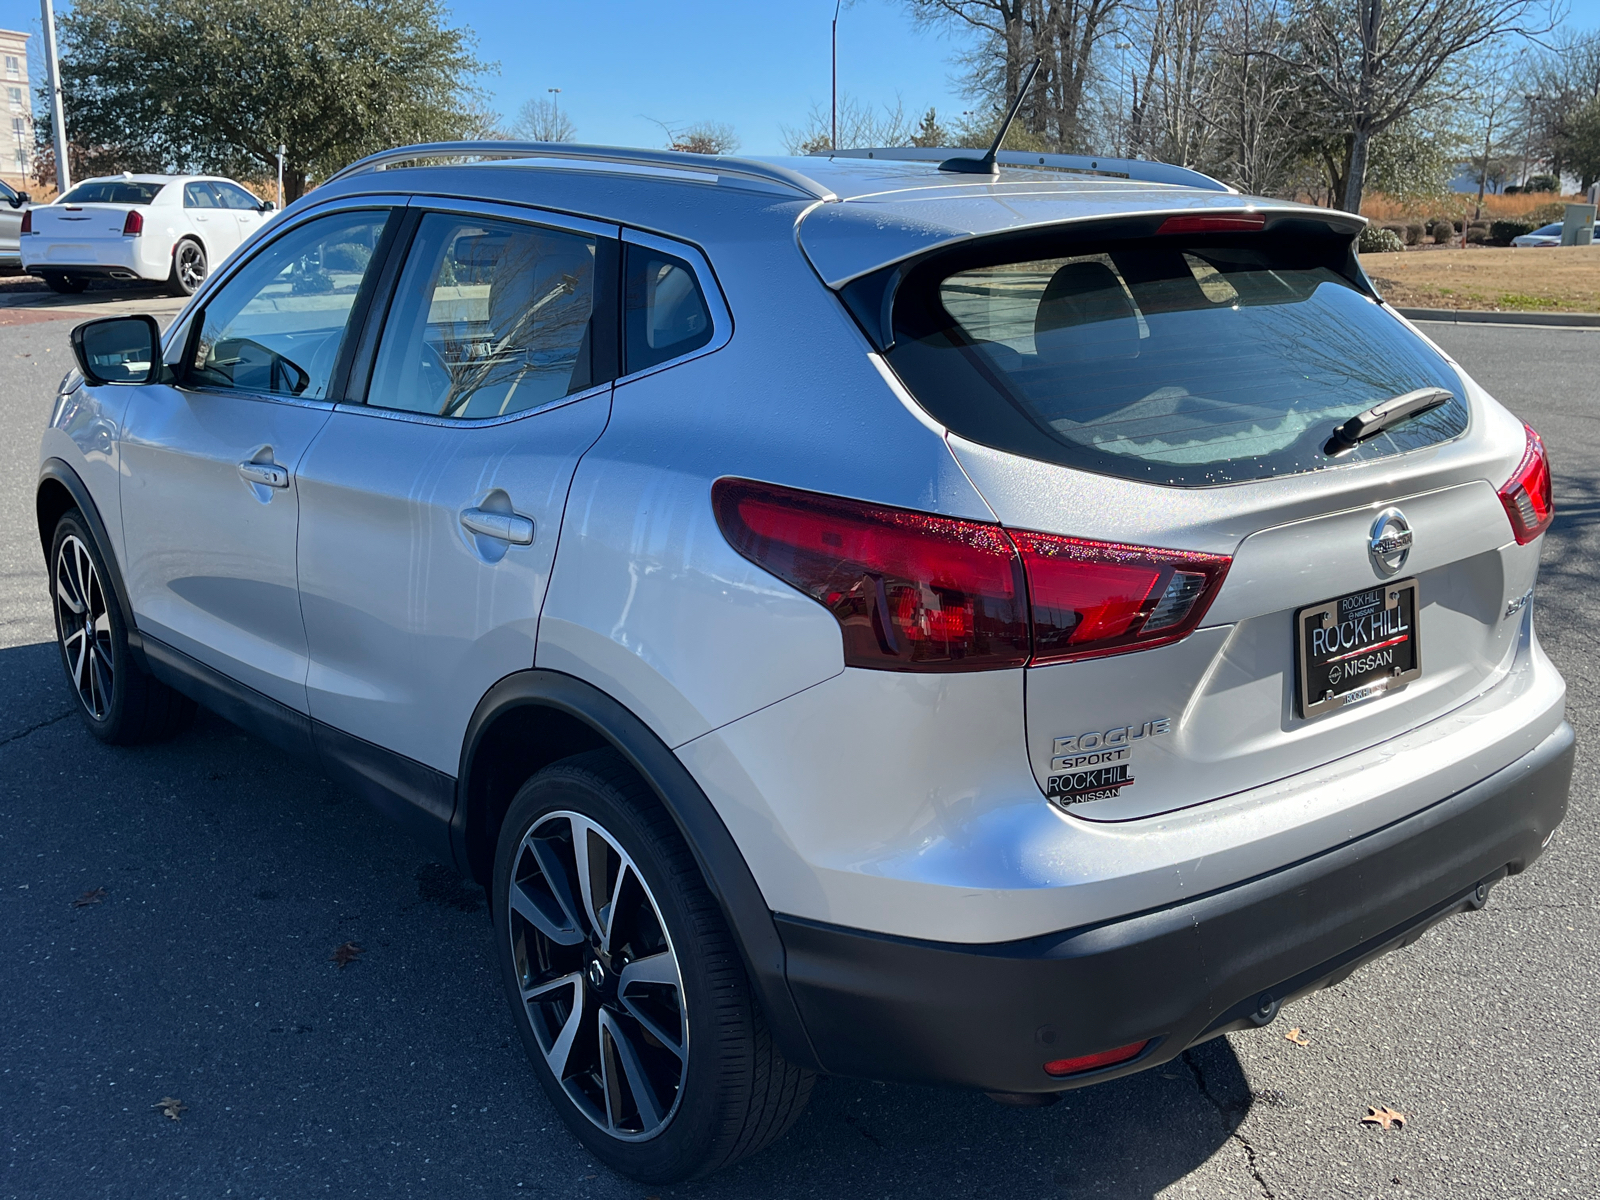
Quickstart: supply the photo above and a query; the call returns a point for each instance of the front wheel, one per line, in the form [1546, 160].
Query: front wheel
[117, 701]
[624, 981]
[188, 268]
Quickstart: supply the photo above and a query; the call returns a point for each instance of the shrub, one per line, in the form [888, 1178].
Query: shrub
[1442, 229]
[1501, 232]
[1478, 233]
[1415, 232]
[1542, 183]
[1380, 239]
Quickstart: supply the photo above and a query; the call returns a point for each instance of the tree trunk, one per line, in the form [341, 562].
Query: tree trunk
[1356, 175]
[294, 182]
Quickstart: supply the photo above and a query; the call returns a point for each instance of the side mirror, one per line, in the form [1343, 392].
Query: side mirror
[266, 206]
[20, 199]
[118, 349]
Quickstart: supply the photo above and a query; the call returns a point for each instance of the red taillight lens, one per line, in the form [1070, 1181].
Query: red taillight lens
[1527, 494]
[27, 221]
[918, 592]
[133, 223]
[1213, 223]
[1093, 1062]
[912, 591]
[1096, 598]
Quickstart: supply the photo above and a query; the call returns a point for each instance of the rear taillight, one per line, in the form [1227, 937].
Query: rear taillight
[133, 223]
[27, 221]
[912, 591]
[1527, 494]
[918, 592]
[1096, 598]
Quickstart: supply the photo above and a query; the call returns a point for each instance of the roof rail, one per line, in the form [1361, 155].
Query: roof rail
[713, 164]
[1116, 168]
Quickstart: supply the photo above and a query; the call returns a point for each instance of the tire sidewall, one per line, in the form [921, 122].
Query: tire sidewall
[177, 275]
[110, 727]
[680, 1149]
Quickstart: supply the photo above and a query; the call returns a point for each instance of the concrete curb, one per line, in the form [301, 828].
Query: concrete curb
[1465, 316]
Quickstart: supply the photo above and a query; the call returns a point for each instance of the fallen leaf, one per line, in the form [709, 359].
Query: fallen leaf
[92, 896]
[1297, 1037]
[1386, 1117]
[346, 954]
[170, 1108]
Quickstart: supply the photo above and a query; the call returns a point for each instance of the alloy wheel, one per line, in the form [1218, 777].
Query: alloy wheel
[598, 975]
[83, 623]
[191, 266]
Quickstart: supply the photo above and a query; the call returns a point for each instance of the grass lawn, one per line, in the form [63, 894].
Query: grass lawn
[1494, 279]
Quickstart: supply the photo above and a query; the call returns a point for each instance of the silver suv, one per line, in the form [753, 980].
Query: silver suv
[995, 628]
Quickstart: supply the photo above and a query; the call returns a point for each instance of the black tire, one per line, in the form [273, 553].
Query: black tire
[66, 285]
[189, 268]
[119, 702]
[735, 1094]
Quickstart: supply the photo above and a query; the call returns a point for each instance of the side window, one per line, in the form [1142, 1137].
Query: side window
[199, 195]
[234, 196]
[666, 311]
[490, 317]
[277, 325]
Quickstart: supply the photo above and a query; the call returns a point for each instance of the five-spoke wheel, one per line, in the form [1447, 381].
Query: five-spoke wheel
[598, 975]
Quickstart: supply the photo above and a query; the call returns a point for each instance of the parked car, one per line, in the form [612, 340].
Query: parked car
[139, 227]
[1545, 235]
[12, 205]
[985, 629]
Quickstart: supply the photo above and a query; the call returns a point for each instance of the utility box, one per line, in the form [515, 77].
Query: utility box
[1578, 228]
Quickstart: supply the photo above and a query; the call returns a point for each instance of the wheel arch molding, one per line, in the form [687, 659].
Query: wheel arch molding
[535, 717]
[60, 490]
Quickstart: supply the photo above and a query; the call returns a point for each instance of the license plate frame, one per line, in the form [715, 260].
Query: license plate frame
[1376, 627]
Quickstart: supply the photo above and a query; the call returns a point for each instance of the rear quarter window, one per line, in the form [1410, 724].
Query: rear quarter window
[1210, 360]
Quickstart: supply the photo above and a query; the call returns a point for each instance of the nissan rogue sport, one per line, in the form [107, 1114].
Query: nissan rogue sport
[990, 627]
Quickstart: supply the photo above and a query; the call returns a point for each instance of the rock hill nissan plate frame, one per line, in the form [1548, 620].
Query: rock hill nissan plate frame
[1357, 646]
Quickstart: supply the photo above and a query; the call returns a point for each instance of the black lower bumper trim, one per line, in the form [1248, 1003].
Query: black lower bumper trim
[990, 1016]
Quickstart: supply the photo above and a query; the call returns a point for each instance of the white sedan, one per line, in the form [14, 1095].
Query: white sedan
[139, 227]
[1547, 235]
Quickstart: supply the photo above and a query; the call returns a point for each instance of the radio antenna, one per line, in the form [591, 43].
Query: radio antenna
[986, 164]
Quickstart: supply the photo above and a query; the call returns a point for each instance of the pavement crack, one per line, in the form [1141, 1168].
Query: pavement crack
[1225, 1113]
[18, 736]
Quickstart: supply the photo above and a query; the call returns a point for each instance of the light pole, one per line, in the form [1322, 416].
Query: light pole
[555, 112]
[58, 122]
[282, 150]
[1527, 142]
[1122, 64]
[833, 138]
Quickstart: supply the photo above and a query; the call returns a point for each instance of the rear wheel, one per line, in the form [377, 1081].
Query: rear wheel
[66, 285]
[188, 268]
[117, 701]
[625, 984]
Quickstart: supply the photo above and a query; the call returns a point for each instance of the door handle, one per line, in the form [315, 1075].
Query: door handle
[503, 526]
[266, 474]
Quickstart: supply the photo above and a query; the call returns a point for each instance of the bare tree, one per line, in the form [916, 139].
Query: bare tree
[1493, 99]
[541, 120]
[1256, 98]
[860, 125]
[703, 137]
[1175, 121]
[1372, 61]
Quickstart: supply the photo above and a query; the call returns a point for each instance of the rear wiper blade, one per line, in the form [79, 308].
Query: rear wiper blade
[1386, 414]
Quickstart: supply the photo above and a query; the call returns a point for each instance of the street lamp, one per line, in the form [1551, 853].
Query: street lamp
[58, 122]
[833, 138]
[1527, 142]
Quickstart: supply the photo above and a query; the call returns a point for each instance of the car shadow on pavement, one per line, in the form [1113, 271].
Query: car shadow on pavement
[229, 874]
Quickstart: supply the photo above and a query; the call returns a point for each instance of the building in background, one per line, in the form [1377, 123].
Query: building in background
[16, 107]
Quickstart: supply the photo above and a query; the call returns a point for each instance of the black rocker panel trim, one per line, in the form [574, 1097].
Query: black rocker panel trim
[58, 471]
[990, 1016]
[270, 720]
[723, 866]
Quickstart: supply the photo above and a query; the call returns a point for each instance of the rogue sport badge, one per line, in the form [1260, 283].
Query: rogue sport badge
[1391, 541]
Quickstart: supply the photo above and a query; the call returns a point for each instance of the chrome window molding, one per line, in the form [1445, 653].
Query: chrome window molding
[416, 418]
[710, 286]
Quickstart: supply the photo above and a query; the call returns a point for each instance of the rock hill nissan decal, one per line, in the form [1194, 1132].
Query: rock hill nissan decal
[1097, 765]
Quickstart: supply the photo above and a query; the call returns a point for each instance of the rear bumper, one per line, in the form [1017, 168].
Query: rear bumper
[102, 258]
[990, 1016]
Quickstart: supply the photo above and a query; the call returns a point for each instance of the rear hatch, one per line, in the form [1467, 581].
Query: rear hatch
[1173, 383]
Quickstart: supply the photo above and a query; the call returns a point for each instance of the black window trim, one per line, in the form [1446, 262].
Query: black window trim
[716, 300]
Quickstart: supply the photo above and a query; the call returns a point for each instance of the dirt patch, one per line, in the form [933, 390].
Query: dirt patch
[1532, 279]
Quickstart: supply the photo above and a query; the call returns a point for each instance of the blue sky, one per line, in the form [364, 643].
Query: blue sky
[756, 64]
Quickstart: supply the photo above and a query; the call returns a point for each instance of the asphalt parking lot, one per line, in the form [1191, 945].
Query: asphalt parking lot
[230, 874]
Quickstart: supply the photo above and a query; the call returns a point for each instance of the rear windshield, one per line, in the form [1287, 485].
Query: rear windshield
[112, 191]
[1210, 360]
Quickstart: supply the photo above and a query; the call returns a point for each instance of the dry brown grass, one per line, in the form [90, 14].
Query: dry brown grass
[1378, 207]
[1536, 279]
